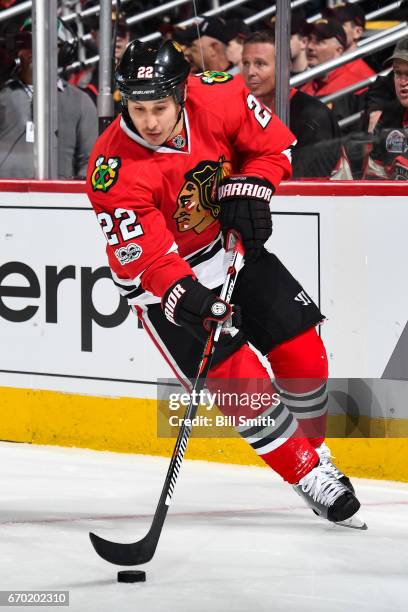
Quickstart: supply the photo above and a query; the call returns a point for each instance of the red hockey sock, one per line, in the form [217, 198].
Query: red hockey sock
[272, 431]
[301, 369]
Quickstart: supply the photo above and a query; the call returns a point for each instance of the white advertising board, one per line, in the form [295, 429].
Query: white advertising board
[63, 328]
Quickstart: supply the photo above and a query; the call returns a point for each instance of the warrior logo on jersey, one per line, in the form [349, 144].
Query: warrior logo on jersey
[106, 173]
[197, 205]
[214, 77]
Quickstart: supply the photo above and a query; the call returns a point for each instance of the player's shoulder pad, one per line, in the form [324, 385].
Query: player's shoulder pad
[105, 161]
[213, 85]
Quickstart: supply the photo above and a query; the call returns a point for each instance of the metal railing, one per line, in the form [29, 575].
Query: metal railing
[25, 7]
[350, 120]
[155, 11]
[318, 16]
[352, 88]
[187, 22]
[93, 10]
[378, 35]
[271, 11]
[366, 47]
[377, 45]
[370, 16]
[14, 11]
[371, 44]
[384, 10]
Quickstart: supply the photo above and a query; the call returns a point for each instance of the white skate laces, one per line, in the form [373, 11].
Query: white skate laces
[322, 486]
[330, 496]
[325, 459]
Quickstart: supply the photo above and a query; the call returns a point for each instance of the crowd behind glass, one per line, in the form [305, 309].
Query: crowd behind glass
[371, 145]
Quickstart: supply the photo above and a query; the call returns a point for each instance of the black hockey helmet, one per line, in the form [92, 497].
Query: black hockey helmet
[151, 71]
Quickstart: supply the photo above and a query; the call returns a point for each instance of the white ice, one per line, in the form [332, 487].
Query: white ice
[236, 539]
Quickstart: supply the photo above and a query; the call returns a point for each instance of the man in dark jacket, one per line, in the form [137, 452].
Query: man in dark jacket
[389, 156]
[77, 120]
[318, 152]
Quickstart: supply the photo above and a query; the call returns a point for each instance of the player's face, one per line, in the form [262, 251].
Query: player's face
[258, 68]
[320, 51]
[401, 81]
[154, 119]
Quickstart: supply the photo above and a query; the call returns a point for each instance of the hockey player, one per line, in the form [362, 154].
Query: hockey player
[189, 159]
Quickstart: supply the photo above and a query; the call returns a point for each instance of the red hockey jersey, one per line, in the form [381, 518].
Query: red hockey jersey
[157, 205]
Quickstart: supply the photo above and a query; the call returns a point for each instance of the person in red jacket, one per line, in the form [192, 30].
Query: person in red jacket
[328, 41]
[352, 18]
[188, 160]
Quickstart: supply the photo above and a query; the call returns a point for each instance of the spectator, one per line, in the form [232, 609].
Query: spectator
[77, 120]
[90, 80]
[238, 32]
[378, 95]
[352, 18]
[208, 46]
[318, 152]
[328, 41]
[388, 158]
[298, 44]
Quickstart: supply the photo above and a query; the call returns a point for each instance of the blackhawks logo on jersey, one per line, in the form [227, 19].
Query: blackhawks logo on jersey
[197, 205]
[106, 173]
[213, 77]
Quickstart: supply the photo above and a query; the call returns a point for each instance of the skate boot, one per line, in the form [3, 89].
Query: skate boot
[328, 497]
[325, 458]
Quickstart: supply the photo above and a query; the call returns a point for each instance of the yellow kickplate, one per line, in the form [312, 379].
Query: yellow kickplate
[372, 448]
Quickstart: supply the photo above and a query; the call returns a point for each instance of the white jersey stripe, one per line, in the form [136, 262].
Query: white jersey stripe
[148, 326]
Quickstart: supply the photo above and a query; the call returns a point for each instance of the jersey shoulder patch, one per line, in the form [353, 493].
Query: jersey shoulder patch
[214, 77]
[105, 173]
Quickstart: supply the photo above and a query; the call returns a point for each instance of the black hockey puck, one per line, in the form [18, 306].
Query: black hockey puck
[131, 576]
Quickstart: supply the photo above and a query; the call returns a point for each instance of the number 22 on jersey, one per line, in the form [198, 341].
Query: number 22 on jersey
[127, 229]
[261, 114]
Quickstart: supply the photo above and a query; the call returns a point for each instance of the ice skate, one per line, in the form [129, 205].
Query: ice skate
[325, 458]
[328, 497]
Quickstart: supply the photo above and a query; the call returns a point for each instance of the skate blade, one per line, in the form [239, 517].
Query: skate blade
[354, 522]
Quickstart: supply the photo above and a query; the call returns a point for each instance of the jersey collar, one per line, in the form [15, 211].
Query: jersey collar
[166, 148]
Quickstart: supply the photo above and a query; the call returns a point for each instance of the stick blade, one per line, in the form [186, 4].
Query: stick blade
[119, 553]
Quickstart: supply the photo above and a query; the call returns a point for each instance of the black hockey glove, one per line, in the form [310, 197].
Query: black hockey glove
[189, 304]
[245, 207]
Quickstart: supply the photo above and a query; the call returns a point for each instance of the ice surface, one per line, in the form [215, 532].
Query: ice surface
[236, 539]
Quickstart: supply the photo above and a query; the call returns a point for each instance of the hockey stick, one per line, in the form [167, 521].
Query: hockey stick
[142, 551]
